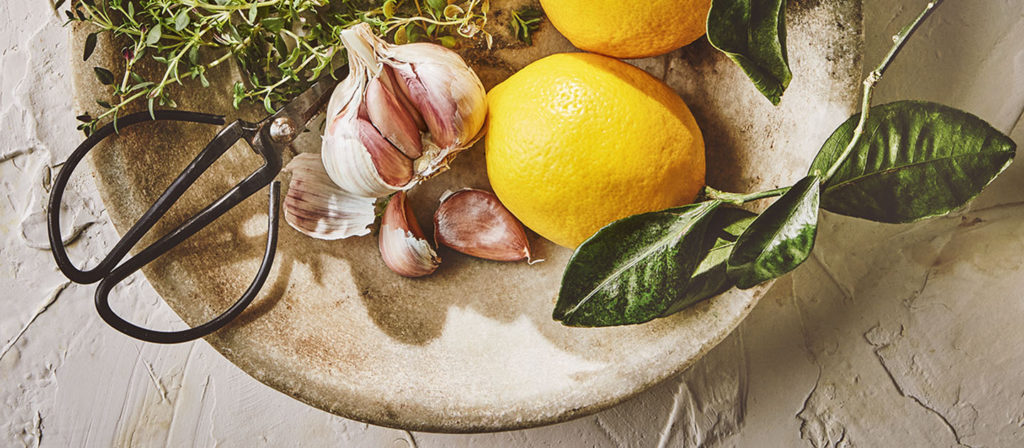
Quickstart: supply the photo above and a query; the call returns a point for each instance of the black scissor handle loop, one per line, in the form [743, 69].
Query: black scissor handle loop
[152, 252]
[152, 215]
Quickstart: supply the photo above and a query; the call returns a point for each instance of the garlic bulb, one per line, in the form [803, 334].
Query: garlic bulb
[475, 223]
[400, 116]
[402, 245]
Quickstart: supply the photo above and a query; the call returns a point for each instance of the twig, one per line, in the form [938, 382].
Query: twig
[899, 40]
[740, 198]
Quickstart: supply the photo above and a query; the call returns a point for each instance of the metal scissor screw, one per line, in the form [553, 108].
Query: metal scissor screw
[283, 130]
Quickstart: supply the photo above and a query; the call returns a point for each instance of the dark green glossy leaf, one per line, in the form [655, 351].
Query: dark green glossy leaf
[915, 160]
[753, 34]
[90, 45]
[631, 270]
[103, 75]
[710, 279]
[780, 239]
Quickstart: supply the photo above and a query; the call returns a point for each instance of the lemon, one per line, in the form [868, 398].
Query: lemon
[575, 141]
[629, 29]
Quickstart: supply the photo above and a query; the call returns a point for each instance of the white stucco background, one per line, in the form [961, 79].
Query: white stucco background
[889, 336]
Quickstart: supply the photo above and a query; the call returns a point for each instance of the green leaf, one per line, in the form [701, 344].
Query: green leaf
[915, 160]
[90, 45]
[780, 239]
[710, 279]
[273, 24]
[103, 75]
[753, 34]
[631, 270]
[181, 20]
[153, 36]
[437, 5]
[238, 94]
[447, 41]
[268, 105]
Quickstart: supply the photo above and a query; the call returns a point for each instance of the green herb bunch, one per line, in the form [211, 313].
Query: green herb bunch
[280, 46]
[895, 163]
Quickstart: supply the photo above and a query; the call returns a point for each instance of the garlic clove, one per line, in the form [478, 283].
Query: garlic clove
[316, 207]
[391, 83]
[390, 117]
[443, 88]
[347, 160]
[393, 167]
[475, 223]
[402, 245]
[437, 81]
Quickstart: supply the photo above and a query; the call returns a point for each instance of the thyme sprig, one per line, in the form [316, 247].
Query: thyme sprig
[524, 22]
[280, 46]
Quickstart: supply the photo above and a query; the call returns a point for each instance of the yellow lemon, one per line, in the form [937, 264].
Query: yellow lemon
[575, 141]
[629, 29]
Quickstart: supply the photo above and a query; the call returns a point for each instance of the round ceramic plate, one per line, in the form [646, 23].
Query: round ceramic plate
[473, 347]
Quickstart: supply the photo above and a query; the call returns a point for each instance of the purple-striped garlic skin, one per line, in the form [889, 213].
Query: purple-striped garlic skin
[476, 223]
[403, 247]
[400, 116]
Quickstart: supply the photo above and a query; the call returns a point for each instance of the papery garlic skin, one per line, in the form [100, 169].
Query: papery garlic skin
[392, 118]
[450, 98]
[475, 223]
[403, 246]
[422, 102]
[316, 207]
[347, 160]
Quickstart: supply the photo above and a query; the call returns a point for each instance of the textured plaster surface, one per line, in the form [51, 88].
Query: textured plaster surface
[889, 336]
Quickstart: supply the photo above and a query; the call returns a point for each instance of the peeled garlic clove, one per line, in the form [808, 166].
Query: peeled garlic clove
[475, 223]
[316, 207]
[390, 117]
[402, 244]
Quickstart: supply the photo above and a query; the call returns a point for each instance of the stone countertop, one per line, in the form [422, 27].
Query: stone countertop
[889, 336]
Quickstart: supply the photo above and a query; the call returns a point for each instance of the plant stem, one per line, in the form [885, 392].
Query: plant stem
[899, 40]
[740, 198]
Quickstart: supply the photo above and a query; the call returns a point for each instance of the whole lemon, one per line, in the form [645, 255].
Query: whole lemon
[575, 141]
[628, 29]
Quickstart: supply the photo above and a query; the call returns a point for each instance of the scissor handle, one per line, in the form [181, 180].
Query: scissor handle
[151, 216]
[163, 245]
[108, 269]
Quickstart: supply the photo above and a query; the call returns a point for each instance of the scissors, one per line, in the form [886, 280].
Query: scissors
[268, 138]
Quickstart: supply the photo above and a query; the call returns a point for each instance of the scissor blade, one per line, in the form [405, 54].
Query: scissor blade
[307, 105]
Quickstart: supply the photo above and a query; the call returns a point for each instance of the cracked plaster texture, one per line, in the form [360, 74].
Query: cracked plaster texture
[888, 336]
